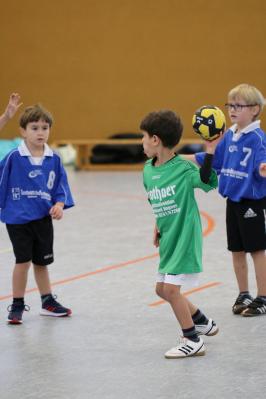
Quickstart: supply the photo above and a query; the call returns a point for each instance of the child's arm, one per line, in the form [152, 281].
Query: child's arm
[263, 169]
[57, 210]
[206, 168]
[12, 107]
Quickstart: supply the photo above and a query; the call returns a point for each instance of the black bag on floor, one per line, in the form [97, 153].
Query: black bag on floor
[119, 153]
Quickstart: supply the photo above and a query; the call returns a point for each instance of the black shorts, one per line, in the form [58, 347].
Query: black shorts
[33, 241]
[246, 225]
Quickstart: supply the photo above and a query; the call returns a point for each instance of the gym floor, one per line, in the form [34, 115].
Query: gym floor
[113, 346]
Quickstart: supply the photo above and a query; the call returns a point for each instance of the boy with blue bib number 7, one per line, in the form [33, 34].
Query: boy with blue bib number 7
[240, 160]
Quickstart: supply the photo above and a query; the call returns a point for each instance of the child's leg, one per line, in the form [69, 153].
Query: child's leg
[190, 344]
[19, 279]
[42, 279]
[241, 270]
[259, 260]
[258, 306]
[203, 325]
[50, 307]
[160, 291]
[19, 282]
[171, 293]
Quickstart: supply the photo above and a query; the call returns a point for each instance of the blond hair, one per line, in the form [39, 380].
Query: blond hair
[250, 94]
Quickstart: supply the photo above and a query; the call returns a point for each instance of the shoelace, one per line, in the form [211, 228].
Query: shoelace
[13, 307]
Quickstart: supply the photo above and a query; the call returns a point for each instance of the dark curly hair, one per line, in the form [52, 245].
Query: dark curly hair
[165, 124]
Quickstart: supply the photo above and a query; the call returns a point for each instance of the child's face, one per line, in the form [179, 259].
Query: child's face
[149, 145]
[241, 113]
[36, 134]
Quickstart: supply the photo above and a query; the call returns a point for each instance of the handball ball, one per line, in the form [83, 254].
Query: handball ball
[208, 121]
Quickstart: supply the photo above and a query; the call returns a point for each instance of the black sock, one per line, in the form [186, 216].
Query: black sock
[18, 301]
[244, 293]
[199, 318]
[191, 334]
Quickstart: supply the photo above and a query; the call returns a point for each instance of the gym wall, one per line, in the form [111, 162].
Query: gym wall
[100, 65]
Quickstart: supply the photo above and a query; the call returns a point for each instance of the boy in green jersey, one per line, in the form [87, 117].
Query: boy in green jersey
[170, 182]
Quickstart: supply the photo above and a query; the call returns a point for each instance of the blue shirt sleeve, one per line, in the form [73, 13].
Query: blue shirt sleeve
[62, 191]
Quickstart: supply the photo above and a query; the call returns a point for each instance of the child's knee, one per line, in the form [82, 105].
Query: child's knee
[22, 267]
[159, 289]
[171, 292]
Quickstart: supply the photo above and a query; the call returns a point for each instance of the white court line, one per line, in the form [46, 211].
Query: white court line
[6, 250]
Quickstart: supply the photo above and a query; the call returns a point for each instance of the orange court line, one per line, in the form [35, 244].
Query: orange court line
[84, 275]
[210, 226]
[210, 223]
[186, 293]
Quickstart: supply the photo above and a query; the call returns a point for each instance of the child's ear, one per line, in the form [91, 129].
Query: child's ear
[256, 110]
[156, 139]
[22, 132]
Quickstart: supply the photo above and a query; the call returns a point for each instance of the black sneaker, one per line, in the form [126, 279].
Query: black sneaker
[241, 303]
[50, 307]
[256, 308]
[15, 313]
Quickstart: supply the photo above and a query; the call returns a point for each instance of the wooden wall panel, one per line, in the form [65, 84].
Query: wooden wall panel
[100, 66]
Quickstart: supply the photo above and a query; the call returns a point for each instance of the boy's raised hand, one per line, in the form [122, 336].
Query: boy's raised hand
[263, 169]
[211, 145]
[13, 105]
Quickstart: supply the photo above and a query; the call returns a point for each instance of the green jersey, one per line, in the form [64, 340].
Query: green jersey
[170, 189]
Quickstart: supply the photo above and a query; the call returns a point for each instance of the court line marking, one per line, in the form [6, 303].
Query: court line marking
[5, 250]
[209, 228]
[188, 292]
[92, 273]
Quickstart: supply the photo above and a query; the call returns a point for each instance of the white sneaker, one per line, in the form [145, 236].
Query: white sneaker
[207, 329]
[186, 348]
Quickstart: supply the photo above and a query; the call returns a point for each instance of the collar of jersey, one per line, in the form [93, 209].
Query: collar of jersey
[252, 126]
[24, 151]
[167, 163]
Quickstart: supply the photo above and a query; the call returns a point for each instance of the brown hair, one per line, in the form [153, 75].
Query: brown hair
[166, 125]
[34, 113]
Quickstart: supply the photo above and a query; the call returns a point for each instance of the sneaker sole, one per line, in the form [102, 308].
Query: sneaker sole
[252, 315]
[182, 355]
[15, 322]
[239, 310]
[212, 333]
[44, 312]
[202, 353]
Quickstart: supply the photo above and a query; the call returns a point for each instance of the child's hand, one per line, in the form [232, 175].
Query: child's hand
[156, 237]
[13, 105]
[57, 211]
[211, 145]
[263, 169]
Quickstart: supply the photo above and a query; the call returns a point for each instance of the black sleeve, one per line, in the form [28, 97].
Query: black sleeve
[206, 168]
